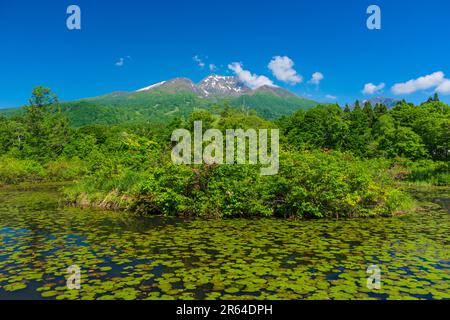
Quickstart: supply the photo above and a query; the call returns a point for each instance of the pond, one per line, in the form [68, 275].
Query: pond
[122, 256]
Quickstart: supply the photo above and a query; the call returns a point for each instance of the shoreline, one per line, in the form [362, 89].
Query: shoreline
[108, 204]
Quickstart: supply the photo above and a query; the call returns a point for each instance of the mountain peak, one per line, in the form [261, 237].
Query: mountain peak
[218, 86]
[215, 86]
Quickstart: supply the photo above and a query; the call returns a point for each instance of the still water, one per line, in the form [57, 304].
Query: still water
[121, 256]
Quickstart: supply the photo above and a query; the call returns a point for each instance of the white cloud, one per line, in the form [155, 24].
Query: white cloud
[444, 87]
[282, 69]
[330, 97]
[252, 80]
[212, 67]
[422, 83]
[120, 63]
[199, 61]
[316, 78]
[370, 88]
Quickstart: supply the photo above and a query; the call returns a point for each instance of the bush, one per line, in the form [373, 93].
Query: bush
[106, 192]
[168, 191]
[434, 172]
[309, 185]
[13, 171]
[318, 184]
[398, 202]
[65, 170]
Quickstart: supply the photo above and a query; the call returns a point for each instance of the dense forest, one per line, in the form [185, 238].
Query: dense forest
[334, 162]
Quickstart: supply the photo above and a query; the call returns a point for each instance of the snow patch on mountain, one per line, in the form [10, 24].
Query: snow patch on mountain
[215, 85]
[153, 86]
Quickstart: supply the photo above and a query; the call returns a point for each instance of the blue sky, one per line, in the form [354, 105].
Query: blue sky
[158, 40]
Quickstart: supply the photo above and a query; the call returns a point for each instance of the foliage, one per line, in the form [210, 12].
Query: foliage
[437, 173]
[13, 171]
[309, 185]
[333, 162]
[65, 170]
[413, 132]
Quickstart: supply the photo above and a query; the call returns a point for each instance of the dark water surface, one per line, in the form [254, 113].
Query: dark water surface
[126, 257]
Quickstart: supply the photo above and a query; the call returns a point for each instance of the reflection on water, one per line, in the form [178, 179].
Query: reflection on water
[122, 256]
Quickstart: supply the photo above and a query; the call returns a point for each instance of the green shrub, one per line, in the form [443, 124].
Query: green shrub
[434, 172]
[309, 185]
[168, 191]
[13, 171]
[317, 184]
[65, 170]
[398, 202]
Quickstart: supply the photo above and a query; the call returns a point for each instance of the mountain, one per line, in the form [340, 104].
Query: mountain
[178, 97]
[276, 91]
[166, 100]
[388, 102]
[213, 86]
[221, 86]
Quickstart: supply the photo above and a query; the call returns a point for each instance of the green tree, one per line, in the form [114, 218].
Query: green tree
[40, 104]
[380, 109]
[369, 113]
[401, 141]
[13, 134]
[48, 130]
[358, 136]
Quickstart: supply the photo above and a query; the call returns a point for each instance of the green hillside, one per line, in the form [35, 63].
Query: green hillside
[10, 112]
[139, 107]
[271, 106]
[168, 102]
